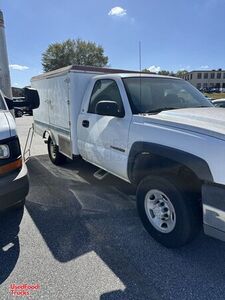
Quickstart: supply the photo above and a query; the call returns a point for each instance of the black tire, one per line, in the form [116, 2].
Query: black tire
[56, 158]
[188, 216]
[20, 205]
[19, 114]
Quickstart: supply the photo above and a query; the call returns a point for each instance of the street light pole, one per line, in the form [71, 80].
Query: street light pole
[5, 83]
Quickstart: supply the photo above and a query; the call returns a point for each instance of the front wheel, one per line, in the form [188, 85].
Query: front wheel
[19, 206]
[168, 212]
[55, 156]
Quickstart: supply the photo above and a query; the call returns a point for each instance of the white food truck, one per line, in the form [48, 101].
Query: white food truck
[156, 132]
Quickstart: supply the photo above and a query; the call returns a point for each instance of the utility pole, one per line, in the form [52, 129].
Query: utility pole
[5, 83]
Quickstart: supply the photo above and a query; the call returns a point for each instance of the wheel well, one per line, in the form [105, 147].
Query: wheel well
[48, 134]
[146, 163]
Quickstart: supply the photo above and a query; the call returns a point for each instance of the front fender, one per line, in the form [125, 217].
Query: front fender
[193, 162]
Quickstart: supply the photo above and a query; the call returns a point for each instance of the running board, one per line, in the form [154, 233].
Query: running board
[100, 174]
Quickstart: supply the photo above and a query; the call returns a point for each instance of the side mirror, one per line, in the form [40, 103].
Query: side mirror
[9, 103]
[32, 97]
[109, 108]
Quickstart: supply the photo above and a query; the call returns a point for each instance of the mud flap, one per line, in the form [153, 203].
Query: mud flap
[213, 198]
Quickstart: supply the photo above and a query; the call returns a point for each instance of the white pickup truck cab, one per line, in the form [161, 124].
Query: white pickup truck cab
[156, 132]
[14, 184]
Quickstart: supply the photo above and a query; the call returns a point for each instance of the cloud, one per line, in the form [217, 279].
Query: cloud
[154, 69]
[117, 11]
[204, 67]
[18, 67]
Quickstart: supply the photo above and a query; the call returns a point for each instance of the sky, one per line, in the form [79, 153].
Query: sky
[174, 35]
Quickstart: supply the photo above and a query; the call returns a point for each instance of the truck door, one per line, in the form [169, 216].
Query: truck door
[103, 140]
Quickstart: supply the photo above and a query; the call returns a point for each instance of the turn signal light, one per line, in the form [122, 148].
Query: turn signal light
[11, 166]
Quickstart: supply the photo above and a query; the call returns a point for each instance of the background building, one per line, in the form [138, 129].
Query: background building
[207, 79]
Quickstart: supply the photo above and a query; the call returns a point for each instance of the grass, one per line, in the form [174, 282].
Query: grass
[215, 95]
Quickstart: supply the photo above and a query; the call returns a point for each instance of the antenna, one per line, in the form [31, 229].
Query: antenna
[140, 69]
[140, 56]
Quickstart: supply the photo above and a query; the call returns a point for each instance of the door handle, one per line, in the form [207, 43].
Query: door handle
[85, 123]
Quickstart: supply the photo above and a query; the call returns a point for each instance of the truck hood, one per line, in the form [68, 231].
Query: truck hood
[7, 125]
[207, 120]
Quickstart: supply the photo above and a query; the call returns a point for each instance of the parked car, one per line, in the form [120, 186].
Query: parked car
[18, 112]
[210, 90]
[28, 111]
[219, 102]
[22, 104]
[209, 98]
[14, 184]
[13, 172]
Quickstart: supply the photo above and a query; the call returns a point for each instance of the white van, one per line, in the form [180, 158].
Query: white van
[14, 185]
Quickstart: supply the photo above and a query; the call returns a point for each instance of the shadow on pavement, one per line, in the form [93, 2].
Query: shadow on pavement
[76, 214]
[9, 241]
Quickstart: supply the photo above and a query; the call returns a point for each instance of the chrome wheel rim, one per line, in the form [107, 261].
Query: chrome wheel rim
[160, 211]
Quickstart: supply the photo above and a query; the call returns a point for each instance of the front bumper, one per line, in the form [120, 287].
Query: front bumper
[213, 198]
[13, 188]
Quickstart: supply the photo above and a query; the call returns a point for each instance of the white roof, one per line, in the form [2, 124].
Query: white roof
[144, 75]
[97, 70]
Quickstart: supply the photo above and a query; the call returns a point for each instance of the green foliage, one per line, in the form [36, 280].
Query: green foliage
[215, 95]
[146, 70]
[73, 52]
[164, 72]
[169, 73]
[181, 73]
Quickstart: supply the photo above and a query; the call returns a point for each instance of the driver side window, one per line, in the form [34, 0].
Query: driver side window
[104, 89]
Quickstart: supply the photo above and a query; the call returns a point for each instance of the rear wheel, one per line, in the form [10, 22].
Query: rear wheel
[55, 156]
[168, 211]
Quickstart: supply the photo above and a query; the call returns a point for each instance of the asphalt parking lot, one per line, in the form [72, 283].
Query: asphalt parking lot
[80, 238]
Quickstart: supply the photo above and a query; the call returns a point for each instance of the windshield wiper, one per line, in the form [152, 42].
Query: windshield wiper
[158, 110]
[203, 106]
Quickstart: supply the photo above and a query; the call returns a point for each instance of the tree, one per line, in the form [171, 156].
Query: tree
[73, 52]
[164, 72]
[146, 70]
[181, 73]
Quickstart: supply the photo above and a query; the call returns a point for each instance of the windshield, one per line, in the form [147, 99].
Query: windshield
[152, 95]
[2, 103]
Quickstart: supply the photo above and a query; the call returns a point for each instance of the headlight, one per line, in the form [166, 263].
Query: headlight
[4, 151]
